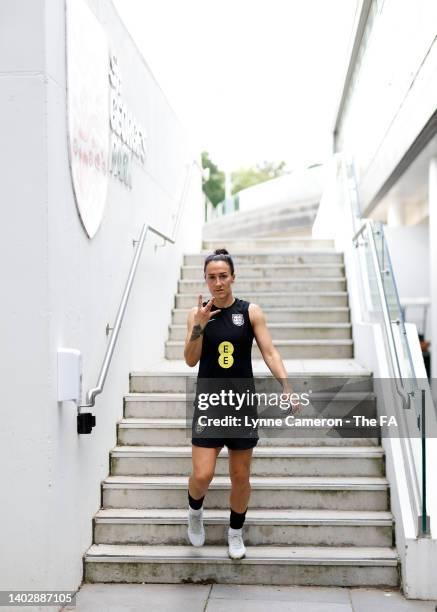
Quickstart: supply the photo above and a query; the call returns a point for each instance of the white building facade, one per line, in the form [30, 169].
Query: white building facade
[387, 122]
[385, 169]
[91, 151]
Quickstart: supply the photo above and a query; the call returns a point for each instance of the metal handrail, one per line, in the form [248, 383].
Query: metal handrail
[359, 232]
[92, 393]
[401, 320]
[385, 311]
[406, 398]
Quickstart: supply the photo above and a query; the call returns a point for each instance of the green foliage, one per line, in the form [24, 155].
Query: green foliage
[214, 187]
[247, 177]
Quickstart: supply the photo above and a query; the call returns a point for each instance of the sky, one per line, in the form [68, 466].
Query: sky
[251, 80]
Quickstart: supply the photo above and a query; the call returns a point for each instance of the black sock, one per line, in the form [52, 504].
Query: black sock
[195, 504]
[236, 520]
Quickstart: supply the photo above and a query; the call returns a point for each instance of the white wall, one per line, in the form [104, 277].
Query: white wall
[60, 289]
[393, 91]
[302, 185]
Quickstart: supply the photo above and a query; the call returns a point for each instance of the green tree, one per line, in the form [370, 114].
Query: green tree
[247, 177]
[214, 187]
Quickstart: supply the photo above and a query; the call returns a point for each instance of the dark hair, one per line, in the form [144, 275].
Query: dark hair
[220, 255]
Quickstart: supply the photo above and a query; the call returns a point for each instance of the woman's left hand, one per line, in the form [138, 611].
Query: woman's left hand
[296, 406]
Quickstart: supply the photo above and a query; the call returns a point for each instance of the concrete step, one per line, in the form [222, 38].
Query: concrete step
[276, 285]
[179, 405]
[266, 461]
[234, 245]
[288, 349]
[298, 314]
[275, 565]
[288, 257]
[270, 271]
[269, 299]
[165, 431]
[311, 492]
[176, 381]
[289, 331]
[261, 528]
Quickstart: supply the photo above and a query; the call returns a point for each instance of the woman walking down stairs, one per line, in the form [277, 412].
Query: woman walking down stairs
[319, 507]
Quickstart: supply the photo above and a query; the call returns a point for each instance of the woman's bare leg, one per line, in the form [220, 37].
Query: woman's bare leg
[239, 471]
[203, 460]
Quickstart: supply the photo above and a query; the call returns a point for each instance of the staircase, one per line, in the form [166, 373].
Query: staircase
[319, 510]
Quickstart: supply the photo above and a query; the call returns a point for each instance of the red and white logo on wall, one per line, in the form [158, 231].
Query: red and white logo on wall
[88, 112]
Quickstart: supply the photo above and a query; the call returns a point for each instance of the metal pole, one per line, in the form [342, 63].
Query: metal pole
[424, 527]
[423, 465]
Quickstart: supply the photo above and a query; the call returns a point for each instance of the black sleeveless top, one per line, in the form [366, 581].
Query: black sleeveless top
[226, 365]
[227, 343]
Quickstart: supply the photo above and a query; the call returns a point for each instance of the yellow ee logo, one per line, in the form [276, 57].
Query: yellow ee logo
[226, 349]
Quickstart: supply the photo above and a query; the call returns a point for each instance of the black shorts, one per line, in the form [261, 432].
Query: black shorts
[231, 443]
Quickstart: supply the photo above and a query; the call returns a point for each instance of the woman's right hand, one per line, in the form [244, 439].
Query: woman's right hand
[204, 314]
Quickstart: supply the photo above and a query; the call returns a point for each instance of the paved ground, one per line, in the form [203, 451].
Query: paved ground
[235, 598]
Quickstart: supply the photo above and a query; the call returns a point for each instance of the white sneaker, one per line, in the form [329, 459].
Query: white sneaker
[237, 550]
[196, 532]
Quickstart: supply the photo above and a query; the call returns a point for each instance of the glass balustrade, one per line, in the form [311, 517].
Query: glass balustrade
[404, 393]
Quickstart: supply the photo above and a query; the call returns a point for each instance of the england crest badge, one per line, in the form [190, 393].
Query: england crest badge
[237, 319]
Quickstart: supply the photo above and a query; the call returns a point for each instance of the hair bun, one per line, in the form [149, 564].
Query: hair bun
[219, 255]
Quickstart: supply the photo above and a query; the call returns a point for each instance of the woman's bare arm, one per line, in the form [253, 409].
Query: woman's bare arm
[269, 353]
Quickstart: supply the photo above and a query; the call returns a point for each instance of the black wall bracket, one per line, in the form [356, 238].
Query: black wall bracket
[85, 423]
